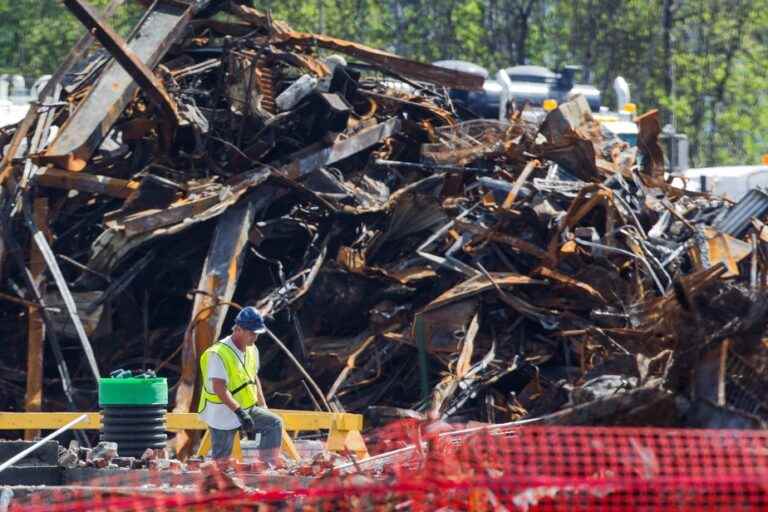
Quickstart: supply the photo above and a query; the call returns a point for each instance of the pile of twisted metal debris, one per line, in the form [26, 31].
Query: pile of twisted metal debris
[414, 258]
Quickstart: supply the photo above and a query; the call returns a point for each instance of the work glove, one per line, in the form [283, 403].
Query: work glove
[246, 422]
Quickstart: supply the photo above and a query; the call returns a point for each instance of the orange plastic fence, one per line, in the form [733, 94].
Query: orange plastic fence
[431, 467]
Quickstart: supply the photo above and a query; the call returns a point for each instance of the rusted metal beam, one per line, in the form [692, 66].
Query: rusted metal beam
[47, 94]
[127, 58]
[33, 400]
[149, 220]
[710, 374]
[81, 135]
[68, 180]
[218, 280]
[306, 161]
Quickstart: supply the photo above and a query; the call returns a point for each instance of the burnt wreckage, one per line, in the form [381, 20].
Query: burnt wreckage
[414, 259]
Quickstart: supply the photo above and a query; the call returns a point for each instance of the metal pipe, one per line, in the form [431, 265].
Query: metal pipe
[16, 458]
[301, 368]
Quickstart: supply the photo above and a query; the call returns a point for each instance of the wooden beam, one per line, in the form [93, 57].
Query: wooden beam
[33, 400]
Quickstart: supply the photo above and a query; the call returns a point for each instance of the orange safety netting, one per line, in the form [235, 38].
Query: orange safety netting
[419, 467]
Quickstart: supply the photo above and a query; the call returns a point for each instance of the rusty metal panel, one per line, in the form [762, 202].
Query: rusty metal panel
[148, 220]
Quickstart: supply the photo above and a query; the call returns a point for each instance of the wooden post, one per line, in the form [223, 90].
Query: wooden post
[35, 327]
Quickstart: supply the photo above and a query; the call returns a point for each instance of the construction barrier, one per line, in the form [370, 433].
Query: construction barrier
[423, 467]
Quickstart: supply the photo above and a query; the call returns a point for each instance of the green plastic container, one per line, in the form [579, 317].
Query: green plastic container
[133, 413]
[133, 392]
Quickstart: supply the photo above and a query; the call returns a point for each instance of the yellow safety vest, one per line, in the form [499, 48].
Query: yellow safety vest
[241, 375]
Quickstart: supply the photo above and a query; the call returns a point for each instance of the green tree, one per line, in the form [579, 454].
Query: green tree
[701, 61]
[36, 34]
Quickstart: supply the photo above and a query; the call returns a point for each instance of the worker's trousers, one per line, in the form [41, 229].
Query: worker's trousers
[268, 424]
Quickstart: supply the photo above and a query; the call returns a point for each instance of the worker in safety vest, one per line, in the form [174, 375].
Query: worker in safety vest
[231, 398]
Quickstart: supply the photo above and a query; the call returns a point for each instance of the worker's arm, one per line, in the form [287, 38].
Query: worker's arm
[220, 388]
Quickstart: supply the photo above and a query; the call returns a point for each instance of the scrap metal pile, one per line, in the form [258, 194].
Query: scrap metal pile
[413, 258]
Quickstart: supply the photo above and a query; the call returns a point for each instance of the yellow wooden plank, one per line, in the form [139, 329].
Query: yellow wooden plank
[46, 420]
[184, 421]
[293, 420]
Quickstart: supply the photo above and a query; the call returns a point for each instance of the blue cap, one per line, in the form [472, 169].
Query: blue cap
[251, 319]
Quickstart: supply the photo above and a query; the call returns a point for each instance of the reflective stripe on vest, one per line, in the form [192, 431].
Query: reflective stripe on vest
[240, 381]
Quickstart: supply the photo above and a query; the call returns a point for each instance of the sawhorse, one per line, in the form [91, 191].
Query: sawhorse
[343, 428]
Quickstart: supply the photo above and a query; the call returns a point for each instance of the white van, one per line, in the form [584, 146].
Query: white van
[15, 97]
[732, 182]
[11, 113]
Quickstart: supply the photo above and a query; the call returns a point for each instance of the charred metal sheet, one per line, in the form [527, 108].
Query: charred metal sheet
[149, 220]
[478, 285]
[726, 249]
[565, 118]
[83, 132]
[39, 138]
[738, 219]
[575, 154]
[115, 243]
[258, 19]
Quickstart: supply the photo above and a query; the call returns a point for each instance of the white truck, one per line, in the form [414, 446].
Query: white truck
[15, 97]
[731, 181]
[542, 88]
